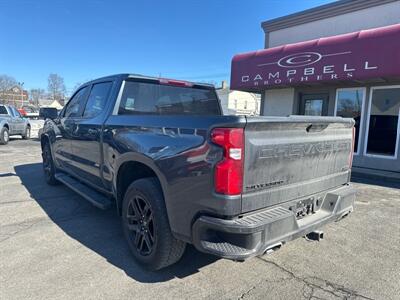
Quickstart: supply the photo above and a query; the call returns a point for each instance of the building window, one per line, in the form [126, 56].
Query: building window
[314, 104]
[383, 122]
[313, 107]
[350, 104]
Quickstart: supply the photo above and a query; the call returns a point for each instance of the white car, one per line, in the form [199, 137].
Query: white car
[36, 127]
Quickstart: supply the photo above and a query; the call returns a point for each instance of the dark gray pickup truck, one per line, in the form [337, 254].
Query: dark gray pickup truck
[180, 172]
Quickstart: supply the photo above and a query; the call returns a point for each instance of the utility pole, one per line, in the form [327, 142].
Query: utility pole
[21, 84]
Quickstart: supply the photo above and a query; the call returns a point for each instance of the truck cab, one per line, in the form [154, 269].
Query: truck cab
[12, 123]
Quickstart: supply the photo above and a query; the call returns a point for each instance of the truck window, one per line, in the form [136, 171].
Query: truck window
[97, 99]
[157, 99]
[3, 110]
[15, 112]
[73, 105]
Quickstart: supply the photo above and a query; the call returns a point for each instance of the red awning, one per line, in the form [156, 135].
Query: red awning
[364, 55]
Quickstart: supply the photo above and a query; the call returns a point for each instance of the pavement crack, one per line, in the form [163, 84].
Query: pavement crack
[316, 287]
[244, 294]
[21, 227]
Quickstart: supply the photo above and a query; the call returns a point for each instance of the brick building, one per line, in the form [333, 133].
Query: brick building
[15, 96]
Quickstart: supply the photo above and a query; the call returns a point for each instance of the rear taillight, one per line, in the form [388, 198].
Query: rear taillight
[228, 175]
[352, 148]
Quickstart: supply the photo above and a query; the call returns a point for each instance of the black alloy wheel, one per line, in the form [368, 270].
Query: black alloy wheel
[48, 165]
[141, 225]
[146, 227]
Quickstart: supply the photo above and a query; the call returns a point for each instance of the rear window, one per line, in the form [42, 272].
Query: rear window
[3, 110]
[156, 99]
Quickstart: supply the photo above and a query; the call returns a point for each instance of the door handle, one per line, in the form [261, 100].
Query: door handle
[92, 132]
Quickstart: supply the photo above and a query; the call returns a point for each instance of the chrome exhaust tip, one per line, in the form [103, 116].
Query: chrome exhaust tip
[273, 248]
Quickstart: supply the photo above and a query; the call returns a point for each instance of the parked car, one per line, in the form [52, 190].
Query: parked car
[44, 113]
[48, 112]
[31, 112]
[36, 127]
[180, 172]
[12, 123]
[22, 112]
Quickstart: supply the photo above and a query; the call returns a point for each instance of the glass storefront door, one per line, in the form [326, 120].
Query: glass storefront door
[314, 105]
[350, 104]
[382, 138]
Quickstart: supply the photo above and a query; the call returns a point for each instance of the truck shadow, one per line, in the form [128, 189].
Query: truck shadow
[99, 230]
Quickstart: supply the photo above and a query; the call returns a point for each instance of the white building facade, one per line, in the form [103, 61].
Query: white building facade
[238, 102]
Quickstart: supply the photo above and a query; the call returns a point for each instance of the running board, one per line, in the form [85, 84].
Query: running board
[94, 197]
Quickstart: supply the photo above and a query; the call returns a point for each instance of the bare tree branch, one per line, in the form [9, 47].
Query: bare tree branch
[36, 95]
[56, 86]
[7, 82]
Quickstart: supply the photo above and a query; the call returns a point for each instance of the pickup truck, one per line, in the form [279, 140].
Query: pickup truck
[12, 123]
[179, 172]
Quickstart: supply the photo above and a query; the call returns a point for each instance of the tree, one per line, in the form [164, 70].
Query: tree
[36, 95]
[7, 82]
[56, 86]
[76, 86]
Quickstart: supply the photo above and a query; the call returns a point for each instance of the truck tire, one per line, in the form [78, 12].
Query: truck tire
[48, 165]
[27, 134]
[4, 136]
[146, 227]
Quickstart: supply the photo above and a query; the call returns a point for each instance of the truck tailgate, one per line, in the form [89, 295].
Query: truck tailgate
[294, 157]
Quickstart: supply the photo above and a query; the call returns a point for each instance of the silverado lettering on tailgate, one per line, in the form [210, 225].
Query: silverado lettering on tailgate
[259, 186]
[304, 149]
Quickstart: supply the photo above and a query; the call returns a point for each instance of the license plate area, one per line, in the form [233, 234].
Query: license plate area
[304, 208]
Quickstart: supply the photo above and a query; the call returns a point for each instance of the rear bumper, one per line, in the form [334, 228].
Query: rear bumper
[255, 233]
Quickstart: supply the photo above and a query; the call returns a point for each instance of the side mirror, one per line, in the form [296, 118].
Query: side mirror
[48, 113]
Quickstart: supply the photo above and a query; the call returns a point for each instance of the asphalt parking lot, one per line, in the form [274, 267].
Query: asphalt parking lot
[55, 245]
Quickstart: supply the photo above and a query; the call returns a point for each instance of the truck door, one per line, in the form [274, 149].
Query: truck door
[86, 139]
[66, 126]
[18, 121]
[11, 121]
